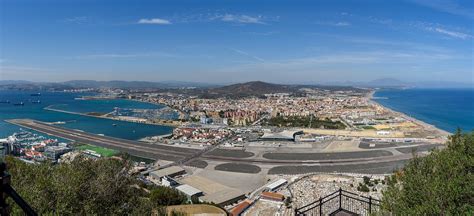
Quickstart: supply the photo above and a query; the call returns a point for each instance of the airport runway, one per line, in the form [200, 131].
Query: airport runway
[136, 148]
[375, 161]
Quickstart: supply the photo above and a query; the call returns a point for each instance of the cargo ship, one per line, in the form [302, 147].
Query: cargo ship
[36, 102]
[35, 94]
[19, 104]
[6, 101]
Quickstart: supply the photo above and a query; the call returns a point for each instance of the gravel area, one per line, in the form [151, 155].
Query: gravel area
[230, 153]
[370, 168]
[366, 145]
[326, 156]
[408, 150]
[238, 167]
[198, 164]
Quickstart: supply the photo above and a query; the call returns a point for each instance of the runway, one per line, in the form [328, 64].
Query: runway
[376, 161]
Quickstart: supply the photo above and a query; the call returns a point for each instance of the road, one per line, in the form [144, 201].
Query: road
[181, 155]
[136, 148]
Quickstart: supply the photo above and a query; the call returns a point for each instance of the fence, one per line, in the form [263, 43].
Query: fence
[340, 200]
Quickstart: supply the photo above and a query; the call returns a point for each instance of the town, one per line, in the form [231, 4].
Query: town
[239, 152]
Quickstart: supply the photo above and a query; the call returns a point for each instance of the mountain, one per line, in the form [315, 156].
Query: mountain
[75, 84]
[387, 82]
[254, 87]
[13, 82]
[132, 84]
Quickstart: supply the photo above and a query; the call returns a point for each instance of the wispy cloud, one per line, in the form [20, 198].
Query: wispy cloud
[246, 19]
[121, 55]
[339, 24]
[77, 19]
[441, 29]
[247, 54]
[155, 21]
[450, 33]
[447, 6]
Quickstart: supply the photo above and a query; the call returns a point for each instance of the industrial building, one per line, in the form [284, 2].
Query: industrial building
[276, 184]
[272, 196]
[189, 190]
[54, 152]
[169, 171]
[285, 135]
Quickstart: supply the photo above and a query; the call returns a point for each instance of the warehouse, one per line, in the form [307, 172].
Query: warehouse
[169, 171]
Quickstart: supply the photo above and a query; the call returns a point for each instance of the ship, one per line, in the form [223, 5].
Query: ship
[19, 104]
[35, 94]
[5, 101]
[36, 102]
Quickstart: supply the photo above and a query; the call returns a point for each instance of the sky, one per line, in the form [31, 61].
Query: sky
[227, 41]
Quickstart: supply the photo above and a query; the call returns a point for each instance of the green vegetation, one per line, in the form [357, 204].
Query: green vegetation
[104, 152]
[305, 121]
[441, 183]
[368, 128]
[87, 187]
[363, 188]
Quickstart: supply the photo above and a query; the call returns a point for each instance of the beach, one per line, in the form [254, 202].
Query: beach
[439, 133]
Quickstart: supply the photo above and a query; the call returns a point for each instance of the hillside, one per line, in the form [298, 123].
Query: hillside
[252, 88]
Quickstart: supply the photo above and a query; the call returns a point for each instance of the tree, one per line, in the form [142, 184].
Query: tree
[86, 187]
[441, 183]
[164, 196]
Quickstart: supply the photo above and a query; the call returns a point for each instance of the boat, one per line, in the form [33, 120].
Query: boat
[36, 102]
[19, 104]
[115, 125]
[6, 101]
[35, 94]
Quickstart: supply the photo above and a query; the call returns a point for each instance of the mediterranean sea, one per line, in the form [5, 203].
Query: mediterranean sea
[446, 109]
[31, 110]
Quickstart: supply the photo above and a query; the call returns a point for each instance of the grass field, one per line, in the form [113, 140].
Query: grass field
[104, 152]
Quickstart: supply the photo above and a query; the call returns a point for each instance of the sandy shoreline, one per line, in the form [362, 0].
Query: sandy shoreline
[426, 126]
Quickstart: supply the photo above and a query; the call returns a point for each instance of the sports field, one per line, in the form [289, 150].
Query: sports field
[104, 152]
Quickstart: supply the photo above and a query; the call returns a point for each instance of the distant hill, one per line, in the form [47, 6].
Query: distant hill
[388, 82]
[13, 82]
[132, 84]
[75, 84]
[254, 87]
[259, 88]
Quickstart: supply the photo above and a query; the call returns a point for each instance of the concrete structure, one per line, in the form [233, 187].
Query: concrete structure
[285, 135]
[169, 171]
[189, 190]
[168, 182]
[214, 191]
[273, 196]
[54, 152]
[240, 208]
[276, 184]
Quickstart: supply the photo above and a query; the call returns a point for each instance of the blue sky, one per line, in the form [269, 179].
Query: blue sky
[233, 41]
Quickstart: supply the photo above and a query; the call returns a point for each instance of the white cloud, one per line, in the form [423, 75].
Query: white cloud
[340, 24]
[450, 33]
[447, 6]
[77, 20]
[241, 19]
[156, 21]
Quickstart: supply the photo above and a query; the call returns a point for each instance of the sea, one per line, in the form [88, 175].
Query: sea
[447, 109]
[68, 102]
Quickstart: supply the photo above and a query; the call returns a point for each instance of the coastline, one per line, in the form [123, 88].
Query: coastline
[111, 118]
[426, 126]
